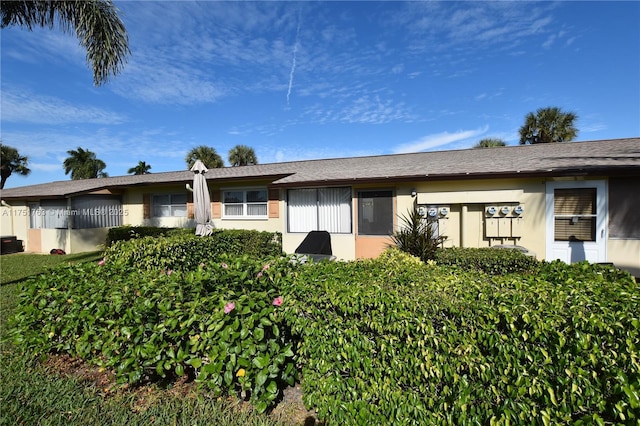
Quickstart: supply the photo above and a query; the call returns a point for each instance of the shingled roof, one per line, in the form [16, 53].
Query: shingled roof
[604, 157]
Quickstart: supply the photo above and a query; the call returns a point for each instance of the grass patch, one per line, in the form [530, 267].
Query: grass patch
[18, 266]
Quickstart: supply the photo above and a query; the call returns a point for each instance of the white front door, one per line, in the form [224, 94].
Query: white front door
[576, 217]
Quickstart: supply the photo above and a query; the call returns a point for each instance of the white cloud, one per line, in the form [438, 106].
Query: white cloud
[439, 140]
[45, 167]
[26, 107]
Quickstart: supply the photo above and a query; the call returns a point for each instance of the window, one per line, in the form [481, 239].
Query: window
[322, 209]
[624, 220]
[249, 203]
[170, 205]
[375, 212]
[575, 214]
[54, 214]
[96, 211]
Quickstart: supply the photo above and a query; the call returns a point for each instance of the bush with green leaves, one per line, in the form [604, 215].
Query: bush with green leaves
[489, 260]
[418, 235]
[220, 323]
[186, 251]
[126, 233]
[405, 343]
[386, 341]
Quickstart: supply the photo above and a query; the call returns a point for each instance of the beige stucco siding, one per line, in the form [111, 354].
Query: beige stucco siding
[625, 254]
[133, 208]
[465, 224]
[342, 245]
[88, 239]
[14, 220]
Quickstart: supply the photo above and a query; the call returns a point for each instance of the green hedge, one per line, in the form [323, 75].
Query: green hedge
[126, 233]
[219, 324]
[186, 251]
[385, 341]
[489, 260]
[400, 343]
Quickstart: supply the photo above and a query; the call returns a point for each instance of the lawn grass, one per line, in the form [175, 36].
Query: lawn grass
[18, 266]
[32, 394]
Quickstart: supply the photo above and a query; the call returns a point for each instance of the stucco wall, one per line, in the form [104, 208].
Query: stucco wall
[14, 220]
[342, 245]
[625, 254]
[464, 225]
[55, 239]
[88, 239]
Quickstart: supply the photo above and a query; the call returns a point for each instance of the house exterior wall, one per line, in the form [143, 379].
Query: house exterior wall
[625, 254]
[134, 209]
[342, 245]
[465, 224]
[82, 240]
[14, 220]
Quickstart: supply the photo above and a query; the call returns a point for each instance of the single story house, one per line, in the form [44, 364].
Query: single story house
[571, 201]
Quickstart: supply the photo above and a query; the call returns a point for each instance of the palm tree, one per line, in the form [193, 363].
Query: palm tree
[11, 161]
[141, 169]
[242, 155]
[206, 154]
[83, 164]
[490, 143]
[548, 125]
[95, 22]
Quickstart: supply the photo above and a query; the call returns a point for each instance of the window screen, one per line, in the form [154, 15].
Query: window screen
[624, 208]
[375, 212]
[574, 211]
[96, 211]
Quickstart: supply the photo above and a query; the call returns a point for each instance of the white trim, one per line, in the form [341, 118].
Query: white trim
[245, 204]
[602, 217]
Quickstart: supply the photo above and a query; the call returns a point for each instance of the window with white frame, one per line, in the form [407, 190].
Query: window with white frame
[245, 203]
[319, 209]
[574, 212]
[169, 205]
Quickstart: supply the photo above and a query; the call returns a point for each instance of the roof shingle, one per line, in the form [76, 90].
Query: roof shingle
[615, 156]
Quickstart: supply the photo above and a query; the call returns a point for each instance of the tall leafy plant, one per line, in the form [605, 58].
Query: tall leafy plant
[418, 235]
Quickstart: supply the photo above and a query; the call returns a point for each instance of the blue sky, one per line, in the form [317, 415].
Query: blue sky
[308, 80]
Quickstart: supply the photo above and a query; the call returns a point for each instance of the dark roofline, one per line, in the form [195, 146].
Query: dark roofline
[613, 157]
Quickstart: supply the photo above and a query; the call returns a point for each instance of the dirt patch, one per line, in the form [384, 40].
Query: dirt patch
[290, 411]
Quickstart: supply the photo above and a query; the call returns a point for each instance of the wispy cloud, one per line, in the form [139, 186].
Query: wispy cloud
[26, 107]
[45, 46]
[443, 26]
[293, 59]
[439, 140]
[160, 81]
[368, 108]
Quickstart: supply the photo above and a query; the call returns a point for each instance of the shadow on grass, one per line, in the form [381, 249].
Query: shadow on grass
[17, 267]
